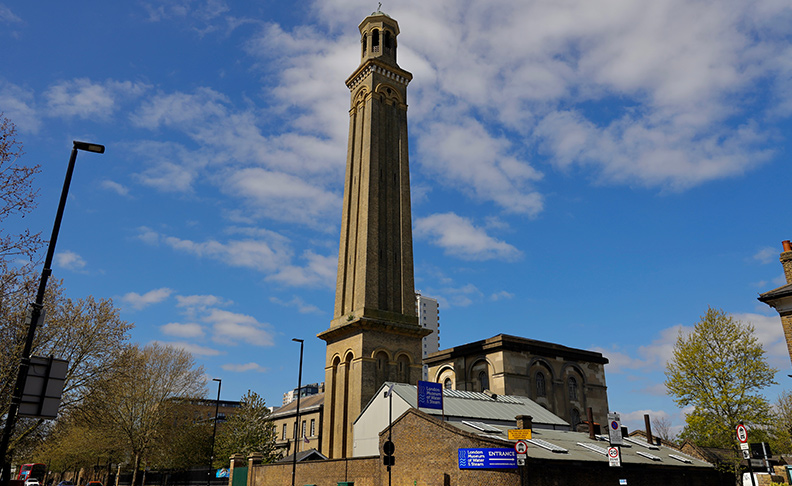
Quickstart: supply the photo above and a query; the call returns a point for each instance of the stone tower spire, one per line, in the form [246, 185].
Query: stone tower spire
[374, 335]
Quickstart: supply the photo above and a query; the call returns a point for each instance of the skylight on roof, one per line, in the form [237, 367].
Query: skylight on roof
[681, 459]
[482, 427]
[594, 448]
[547, 445]
[647, 455]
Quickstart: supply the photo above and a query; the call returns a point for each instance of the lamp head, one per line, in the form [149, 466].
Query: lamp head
[89, 147]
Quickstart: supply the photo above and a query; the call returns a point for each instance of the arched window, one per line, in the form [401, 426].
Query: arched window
[404, 369]
[448, 384]
[573, 390]
[363, 43]
[388, 43]
[375, 40]
[541, 389]
[483, 379]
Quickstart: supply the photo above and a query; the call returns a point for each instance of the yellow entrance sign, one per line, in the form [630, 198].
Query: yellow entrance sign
[519, 434]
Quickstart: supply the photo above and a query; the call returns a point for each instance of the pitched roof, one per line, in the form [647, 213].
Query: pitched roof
[307, 404]
[782, 291]
[474, 405]
[565, 445]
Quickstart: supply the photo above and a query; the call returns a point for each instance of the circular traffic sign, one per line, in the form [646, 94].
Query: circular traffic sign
[613, 452]
[742, 433]
[521, 447]
[615, 425]
[388, 448]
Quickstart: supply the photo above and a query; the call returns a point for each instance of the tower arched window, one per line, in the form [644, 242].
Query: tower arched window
[375, 40]
[388, 40]
[541, 387]
[447, 384]
[573, 388]
[363, 43]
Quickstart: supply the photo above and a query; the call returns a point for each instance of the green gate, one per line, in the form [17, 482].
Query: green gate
[240, 476]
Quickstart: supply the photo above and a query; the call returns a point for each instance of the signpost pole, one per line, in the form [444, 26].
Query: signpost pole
[742, 437]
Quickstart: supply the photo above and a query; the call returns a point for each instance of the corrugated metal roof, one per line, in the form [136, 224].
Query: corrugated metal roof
[474, 405]
[579, 447]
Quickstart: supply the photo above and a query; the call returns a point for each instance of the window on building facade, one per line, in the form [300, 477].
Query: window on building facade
[541, 389]
[303, 428]
[313, 427]
[483, 380]
[572, 385]
[284, 432]
[447, 384]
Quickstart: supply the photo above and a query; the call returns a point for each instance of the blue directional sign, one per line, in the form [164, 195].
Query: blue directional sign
[487, 458]
[430, 395]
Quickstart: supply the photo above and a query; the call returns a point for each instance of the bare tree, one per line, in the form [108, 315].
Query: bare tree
[17, 198]
[661, 427]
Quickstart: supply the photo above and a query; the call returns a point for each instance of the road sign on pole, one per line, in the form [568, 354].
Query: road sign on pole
[614, 429]
[521, 447]
[614, 457]
[742, 434]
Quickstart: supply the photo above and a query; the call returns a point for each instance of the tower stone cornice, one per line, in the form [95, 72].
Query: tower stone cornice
[375, 66]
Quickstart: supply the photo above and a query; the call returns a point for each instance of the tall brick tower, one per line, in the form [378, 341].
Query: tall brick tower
[374, 335]
[781, 298]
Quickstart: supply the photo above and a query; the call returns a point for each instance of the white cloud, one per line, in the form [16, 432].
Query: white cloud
[194, 349]
[458, 237]
[770, 333]
[70, 260]
[186, 330]
[19, 106]
[301, 306]
[319, 271]
[283, 196]
[179, 109]
[242, 368]
[84, 98]
[232, 329]
[502, 295]
[8, 17]
[119, 189]
[465, 155]
[200, 302]
[137, 301]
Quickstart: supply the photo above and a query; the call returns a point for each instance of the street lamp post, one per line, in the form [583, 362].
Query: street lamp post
[297, 423]
[214, 430]
[36, 311]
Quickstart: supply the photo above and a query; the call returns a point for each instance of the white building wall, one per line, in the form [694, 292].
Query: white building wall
[366, 429]
[428, 311]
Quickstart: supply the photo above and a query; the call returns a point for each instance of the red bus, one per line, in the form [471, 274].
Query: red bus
[28, 471]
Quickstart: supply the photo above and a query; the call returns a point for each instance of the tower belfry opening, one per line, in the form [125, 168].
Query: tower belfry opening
[374, 335]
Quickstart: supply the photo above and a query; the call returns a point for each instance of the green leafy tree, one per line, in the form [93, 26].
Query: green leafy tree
[138, 403]
[719, 369]
[248, 430]
[88, 333]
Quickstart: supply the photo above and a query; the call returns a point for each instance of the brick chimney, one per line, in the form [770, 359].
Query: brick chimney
[786, 260]
[524, 421]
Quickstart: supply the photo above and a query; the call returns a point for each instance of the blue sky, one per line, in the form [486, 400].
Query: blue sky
[589, 173]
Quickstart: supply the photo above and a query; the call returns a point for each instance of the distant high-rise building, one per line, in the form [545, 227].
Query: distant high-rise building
[306, 390]
[428, 311]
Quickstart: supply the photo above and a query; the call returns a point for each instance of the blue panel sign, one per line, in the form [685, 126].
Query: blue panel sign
[430, 395]
[487, 458]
